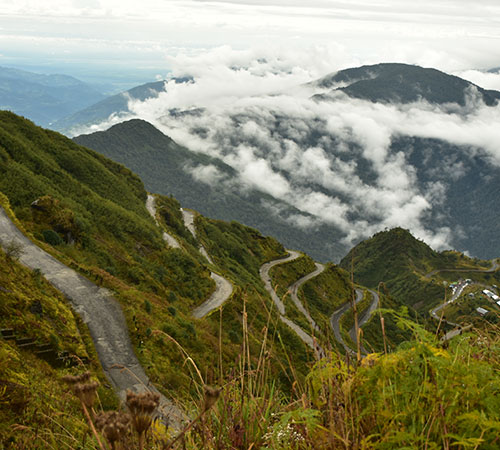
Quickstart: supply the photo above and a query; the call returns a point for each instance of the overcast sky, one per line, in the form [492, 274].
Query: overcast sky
[123, 36]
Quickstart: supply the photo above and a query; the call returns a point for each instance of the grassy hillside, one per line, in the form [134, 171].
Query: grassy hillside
[271, 393]
[402, 262]
[170, 169]
[30, 386]
[90, 213]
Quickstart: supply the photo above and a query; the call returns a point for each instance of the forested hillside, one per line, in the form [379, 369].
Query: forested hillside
[242, 375]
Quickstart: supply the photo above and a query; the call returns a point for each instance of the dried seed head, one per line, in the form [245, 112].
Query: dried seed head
[113, 425]
[142, 407]
[76, 379]
[211, 396]
[86, 393]
[84, 389]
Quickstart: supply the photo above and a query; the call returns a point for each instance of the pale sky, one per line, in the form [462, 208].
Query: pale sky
[121, 36]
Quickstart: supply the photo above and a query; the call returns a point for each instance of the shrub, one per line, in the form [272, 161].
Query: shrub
[51, 237]
[13, 250]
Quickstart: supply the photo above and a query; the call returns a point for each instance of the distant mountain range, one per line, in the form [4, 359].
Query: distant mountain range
[116, 104]
[170, 169]
[402, 83]
[458, 182]
[44, 98]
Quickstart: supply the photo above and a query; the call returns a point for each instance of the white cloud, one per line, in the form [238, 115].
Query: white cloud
[451, 35]
[209, 174]
[485, 80]
[254, 112]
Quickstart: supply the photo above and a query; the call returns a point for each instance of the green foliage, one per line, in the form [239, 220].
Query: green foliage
[401, 262]
[51, 237]
[237, 249]
[30, 389]
[162, 164]
[283, 275]
[325, 293]
[171, 217]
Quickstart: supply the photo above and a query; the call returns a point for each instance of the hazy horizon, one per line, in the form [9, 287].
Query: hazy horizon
[125, 43]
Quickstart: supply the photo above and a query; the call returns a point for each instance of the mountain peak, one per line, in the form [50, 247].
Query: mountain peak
[404, 83]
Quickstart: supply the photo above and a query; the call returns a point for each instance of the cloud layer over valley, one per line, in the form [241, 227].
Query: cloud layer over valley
[340, 161]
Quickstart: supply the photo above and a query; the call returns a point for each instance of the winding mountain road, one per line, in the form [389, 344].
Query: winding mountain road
[494, 267]
[294, 288]
[102, 314]
[168, 238]
[456, 293]
[188, 217]
[223, 290]
[335, 321]
[365, 317]
[264, 275]
[223, 287]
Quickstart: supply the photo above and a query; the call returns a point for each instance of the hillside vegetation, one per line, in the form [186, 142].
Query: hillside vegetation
[402, 262]
[270, 392]
[170, 169]
[31, 385]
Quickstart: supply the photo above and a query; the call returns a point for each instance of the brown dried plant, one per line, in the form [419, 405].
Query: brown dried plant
[142, 407]
[114, 426]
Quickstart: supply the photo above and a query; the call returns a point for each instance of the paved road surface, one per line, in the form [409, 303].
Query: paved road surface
[188, 217]
[168, 238]
[494, 267]
[99, 310]
[365, 317]
[456, 293]
[335, 320]
[223, 290]
[264, 275]
[223, 287]
[294, 288]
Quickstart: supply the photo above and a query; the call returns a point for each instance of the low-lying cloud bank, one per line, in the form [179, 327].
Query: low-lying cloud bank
[330, 158]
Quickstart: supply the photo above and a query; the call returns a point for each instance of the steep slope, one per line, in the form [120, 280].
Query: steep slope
[326, 160]
[170, 169]
[403, 83]
[100, 312]
[471, 195]
[44, 98]
[402, 263]
[90, 214]
[34, 316]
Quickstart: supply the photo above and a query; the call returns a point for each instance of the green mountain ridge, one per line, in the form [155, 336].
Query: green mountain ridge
[404, 83]
[114, 105]
[89, 212]
[409, 268]
[463, 175]
[167, 167]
